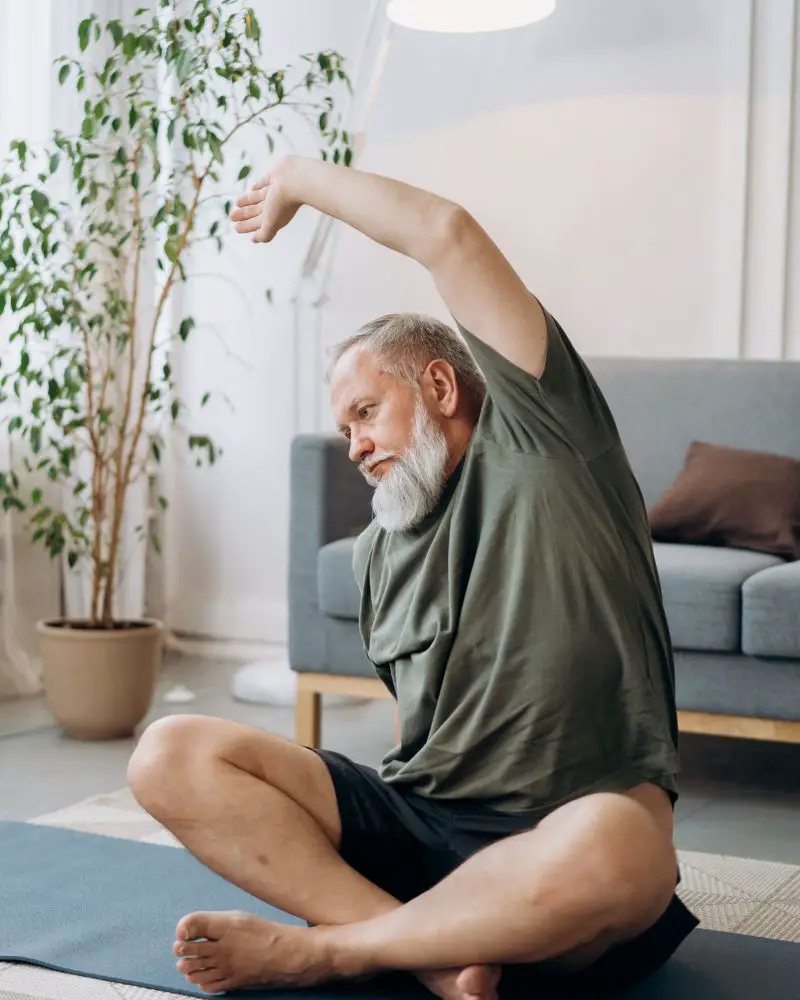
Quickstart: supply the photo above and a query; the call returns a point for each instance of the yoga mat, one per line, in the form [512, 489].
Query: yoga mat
[107, 908]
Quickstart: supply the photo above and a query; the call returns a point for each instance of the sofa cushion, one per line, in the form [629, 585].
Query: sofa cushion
[336, 583]
[771, 612]
[702, 588]
[733, 497]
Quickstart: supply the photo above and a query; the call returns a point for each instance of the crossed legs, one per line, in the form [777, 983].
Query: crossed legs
[261, 811]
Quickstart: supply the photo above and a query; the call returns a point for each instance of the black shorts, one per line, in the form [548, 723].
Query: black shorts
[406, 843]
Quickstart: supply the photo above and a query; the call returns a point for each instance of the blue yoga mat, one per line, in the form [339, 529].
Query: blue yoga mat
[107, 908]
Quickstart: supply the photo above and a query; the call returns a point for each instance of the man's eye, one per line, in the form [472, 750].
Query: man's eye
[364, 412]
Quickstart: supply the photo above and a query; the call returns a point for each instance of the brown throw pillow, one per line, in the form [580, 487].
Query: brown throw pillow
[727, 496]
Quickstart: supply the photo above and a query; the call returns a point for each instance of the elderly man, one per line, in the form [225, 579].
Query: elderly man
[509, 600]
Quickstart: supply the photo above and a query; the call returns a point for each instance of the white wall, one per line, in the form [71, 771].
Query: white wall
[226, 533]
[632, 157]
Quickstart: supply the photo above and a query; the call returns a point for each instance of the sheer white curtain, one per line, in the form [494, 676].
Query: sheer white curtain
[32, 34]
[28, 579]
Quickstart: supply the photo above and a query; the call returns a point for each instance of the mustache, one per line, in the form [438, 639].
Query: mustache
[366, 467]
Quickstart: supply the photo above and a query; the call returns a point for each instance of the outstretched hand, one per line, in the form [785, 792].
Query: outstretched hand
[266, 208]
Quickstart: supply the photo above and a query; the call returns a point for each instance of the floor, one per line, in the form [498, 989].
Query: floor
[738, 797]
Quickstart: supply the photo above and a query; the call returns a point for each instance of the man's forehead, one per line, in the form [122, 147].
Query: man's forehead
[355, 375]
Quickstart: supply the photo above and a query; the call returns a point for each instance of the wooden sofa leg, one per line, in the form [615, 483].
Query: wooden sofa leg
[308, 715]
[310, 689]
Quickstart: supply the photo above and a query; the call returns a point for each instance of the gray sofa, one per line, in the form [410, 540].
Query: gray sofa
[734, 615]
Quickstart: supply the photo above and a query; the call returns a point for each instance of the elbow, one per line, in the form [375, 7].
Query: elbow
[451, 230]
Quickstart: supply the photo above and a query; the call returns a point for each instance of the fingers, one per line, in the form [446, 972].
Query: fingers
[252, 198]
[249, 226]
[248, 212]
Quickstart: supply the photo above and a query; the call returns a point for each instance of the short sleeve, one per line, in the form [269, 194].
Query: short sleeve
[561, 414]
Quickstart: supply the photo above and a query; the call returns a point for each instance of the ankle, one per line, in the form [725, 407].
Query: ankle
[343, 950]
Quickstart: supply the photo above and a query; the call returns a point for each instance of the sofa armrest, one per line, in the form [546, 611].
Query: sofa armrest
[329, 499]
[771, 612]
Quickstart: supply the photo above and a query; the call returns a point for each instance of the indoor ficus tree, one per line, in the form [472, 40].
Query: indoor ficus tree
[85, 379]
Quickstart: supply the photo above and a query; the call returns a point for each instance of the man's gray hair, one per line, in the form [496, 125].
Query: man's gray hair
[406, 343]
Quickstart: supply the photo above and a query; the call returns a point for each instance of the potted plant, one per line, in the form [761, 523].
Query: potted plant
[86, 385]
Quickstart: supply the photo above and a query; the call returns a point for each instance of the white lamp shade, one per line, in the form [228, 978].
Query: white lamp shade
[468, 15]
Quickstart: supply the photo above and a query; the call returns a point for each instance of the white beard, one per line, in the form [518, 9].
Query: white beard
[411, 488]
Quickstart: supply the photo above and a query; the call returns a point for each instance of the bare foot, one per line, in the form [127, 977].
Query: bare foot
[239, 949]
[475, 982]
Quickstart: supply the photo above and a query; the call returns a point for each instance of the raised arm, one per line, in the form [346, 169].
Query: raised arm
[479, 286]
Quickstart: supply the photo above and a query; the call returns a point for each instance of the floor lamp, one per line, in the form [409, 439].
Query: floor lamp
[273, 682]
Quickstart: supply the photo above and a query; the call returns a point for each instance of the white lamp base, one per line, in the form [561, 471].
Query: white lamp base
[273, 682]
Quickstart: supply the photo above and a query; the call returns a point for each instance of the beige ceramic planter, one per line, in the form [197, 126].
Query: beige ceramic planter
[99, 683]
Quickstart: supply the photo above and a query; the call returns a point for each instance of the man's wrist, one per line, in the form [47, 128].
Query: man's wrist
[289, 174]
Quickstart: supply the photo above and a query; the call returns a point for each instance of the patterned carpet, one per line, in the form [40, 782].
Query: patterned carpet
[739, 895]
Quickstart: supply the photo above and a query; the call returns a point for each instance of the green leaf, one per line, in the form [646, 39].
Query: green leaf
[135, 180]
[36, 439]
[348, 156]
[83, 32]
[215, 146]
[36, 496]
[185, 328]
[163, 503]
[53, 162]
[323, 121]
[88, 128]
[175, 409]
[116, 31]
[129, 45]
[254, 90]
[246, 169]
[63, 73]
[133, 116]
[252, 27]
[39, 201]
[2, 302]
[269, 295]
[81, 82]
[72, 558]
[171, 130]
[205, 399]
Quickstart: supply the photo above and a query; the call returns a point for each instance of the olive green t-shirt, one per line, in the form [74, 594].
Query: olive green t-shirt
[520, 625]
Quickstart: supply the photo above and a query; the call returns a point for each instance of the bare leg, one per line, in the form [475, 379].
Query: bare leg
[595, 873]
[236, 797]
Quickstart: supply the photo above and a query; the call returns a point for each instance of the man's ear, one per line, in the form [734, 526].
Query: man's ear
[443, 385]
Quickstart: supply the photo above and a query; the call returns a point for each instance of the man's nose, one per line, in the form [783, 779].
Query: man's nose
[360, 447]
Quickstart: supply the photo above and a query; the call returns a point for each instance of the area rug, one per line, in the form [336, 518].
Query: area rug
[737, 895]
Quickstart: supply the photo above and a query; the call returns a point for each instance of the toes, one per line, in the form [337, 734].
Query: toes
[195, 949]
[199, 925]
[191, 966]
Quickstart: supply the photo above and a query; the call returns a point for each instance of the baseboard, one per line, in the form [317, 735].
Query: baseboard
[243, 621]
[224, 649]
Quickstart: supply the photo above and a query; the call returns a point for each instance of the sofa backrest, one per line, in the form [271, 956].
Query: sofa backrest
[661, 406]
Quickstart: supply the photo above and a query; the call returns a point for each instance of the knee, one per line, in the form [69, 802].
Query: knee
[161, 757]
